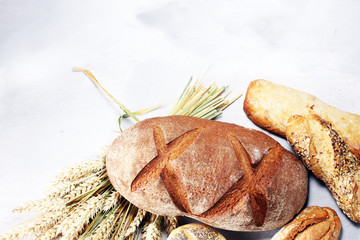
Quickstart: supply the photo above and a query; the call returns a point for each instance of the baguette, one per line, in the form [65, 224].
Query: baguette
[325, 153]
[316, 223]
[222, 174]
[270, 106]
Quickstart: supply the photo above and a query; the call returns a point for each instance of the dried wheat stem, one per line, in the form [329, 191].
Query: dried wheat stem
[80, 170]
[119, 235]
[131, 236]
[124, 220]
[74, 223]
[93, 232]
[147, 221]
[116, 224]
[112, 200]
[62, 189]
[153, 230]
[136, 222]
[105, 226]
[43, 206]
[82, 188]
[20, 231]
[129, 220]
[49, 234]
[171, 223]
[35, 226]
[48, 220]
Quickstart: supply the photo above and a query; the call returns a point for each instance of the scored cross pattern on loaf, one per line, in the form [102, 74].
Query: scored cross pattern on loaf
[249, 188]
[162, 165]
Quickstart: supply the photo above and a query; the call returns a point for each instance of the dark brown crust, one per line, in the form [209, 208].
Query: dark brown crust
[194, 167]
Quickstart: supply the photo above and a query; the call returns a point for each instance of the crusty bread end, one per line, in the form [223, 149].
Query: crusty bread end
[325, 153]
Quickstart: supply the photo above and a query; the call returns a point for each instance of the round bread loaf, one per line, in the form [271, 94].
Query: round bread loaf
[225, 175]
[195, 231]
[316, 223]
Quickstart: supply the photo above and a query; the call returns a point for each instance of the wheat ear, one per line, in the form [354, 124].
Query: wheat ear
[83, 188]
[80, 170]
[111, 201]
[136, 222]
[72, 226]
[20, 231]
[49, 234]
[62, 189]
[153, 230]
[105, 226]
[42, 206]
[171, 223]
[35, 226]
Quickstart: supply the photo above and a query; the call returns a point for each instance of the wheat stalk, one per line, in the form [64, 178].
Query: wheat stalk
[153, 229]
[125, 217]
[91, 76]
[111, 201]
[44, 205]
[75, 222]
[78, 187]
[35, 226]
[19, 232]
[118, 235]
[136, 222]
[105, 226]
[49, 234]
[171, 223]
[80, 174]
[82, 188]
[128, 219]
[76, 172]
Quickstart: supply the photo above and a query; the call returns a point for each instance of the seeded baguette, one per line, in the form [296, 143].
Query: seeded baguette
[270, 105]
[325, 153]
[225, 175]
[315, 223]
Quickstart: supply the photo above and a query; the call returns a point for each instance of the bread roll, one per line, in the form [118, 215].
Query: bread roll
[222, 174]
[324, 152]
[316, 223]
[270, 106]
[195, 231]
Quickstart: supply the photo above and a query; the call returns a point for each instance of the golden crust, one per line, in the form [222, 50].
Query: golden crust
[193, 231]
[270, 106]
[312, 223]
[325, 153]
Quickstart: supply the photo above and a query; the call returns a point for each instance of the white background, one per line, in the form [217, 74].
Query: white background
[144, 52]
